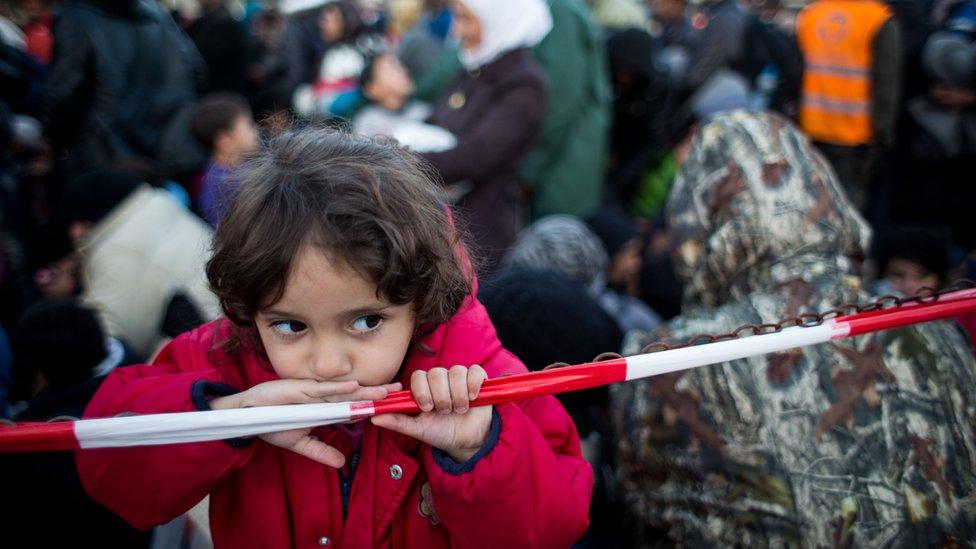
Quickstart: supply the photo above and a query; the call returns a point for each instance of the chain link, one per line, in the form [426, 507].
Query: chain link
[924, 295]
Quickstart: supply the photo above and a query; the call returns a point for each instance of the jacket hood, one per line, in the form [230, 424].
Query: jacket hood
[755, 204]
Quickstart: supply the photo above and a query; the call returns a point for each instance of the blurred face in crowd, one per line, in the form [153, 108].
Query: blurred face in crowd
[240, 140]
[210, 5]
[467, 26]
[35, 10]
[667, 11]
[390, 85]
[908, 277]
[330, 325]
[332, 24]
[683, 148]
[626, 264]
[60, 279]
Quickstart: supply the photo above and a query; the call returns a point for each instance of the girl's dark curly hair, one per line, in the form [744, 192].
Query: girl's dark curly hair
[370, 204]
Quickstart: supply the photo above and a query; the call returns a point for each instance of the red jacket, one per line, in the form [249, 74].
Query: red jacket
[532, 489]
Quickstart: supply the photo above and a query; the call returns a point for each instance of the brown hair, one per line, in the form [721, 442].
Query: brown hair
[215, 114]
[370, 204]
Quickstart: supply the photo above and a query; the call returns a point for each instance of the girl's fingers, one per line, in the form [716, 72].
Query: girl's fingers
[378, 392]
[440, 389]
[420, 388]
[457, 379]
[293, 391]
[476, 377]
[316, 450]
[401, 423]
[368, 393]
[317, 390]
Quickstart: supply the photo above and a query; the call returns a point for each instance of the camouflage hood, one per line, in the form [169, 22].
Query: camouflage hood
[755, 204]
[867, 442]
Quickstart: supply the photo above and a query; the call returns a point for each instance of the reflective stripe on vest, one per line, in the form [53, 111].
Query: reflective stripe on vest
[838, 105]
[836, 37]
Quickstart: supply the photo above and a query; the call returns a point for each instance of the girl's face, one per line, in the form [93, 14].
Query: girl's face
[329, 325]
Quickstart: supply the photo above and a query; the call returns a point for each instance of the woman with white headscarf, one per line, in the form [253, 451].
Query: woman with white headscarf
[495, 109]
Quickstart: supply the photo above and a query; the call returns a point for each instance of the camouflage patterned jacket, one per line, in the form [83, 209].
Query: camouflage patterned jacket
[867, 442]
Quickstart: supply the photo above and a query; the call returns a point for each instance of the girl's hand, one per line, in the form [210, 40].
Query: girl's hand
[446, 422]
[303, 391]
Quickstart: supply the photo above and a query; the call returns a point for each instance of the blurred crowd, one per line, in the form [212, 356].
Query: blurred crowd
[625, 172]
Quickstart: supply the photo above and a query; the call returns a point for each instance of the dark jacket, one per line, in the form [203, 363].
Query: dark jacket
[887, 83]
[719, 45]
[119, 74]
[495, 112]
[302, 48]
[46, 504]
[639, 110]
[224, 46]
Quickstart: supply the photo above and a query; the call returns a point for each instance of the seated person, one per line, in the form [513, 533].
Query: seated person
[138, 250]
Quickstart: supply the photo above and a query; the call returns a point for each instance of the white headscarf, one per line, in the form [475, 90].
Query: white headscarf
[506, 25]
[289, 7]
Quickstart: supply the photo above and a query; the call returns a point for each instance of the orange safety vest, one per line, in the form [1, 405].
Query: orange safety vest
[836, 37]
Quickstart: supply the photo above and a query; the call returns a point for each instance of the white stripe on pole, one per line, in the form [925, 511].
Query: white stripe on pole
[653, 364]
[211, 425]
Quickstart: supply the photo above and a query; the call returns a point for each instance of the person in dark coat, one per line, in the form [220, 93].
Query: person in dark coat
[61, 347]
[302, 47]
[122, 71]
[639, 113]
[495, 109]
[223, 43]
[545, 318]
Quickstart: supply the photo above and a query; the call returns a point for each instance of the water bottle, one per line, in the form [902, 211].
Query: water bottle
[766, 84]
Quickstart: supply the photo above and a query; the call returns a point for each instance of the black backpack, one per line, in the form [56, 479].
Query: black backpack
[764, 44]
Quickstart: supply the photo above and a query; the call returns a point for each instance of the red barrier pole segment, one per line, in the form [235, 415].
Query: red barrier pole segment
[898, 317]
[587, 376]
[961, 295]
[518, 387]
[183, 427]
[39, 437]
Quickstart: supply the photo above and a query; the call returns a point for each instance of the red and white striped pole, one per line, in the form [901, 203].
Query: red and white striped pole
[185, 427]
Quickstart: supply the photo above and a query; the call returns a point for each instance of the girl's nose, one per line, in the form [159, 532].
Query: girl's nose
[330, 361]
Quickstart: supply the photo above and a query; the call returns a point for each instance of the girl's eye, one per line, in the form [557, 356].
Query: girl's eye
[288, 327]
[367, 323]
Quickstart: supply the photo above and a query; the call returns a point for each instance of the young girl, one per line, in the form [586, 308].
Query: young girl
[341, 278]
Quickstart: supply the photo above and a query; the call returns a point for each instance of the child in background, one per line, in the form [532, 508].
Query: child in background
[387, 84]
[623, 244]
[223, 123]
[351, 43]
[911, 258]
[342, 278]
